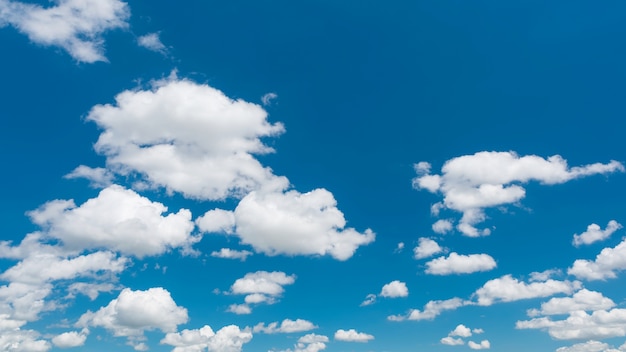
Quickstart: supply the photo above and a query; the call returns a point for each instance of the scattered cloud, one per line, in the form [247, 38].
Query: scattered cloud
[589, 346]
[369, 299]
[579, 324]
[259, 287]
[472, 183]
[267, 98]
[460, 264]
[352, 336]
[77, 26]
[442, 226]
[594, 233]
[231, 254]
[227, 339]
[310, 343]
[98, 177]
[394, 289]
[483, 345]
[455, 337]
[286, 326]
[461, 331]
[431, 310]
[582, 300]
[544, 275]
[451, 341]
[426, 248]
[151, 41]
[605, 266]
[508, 289]
[71, 339]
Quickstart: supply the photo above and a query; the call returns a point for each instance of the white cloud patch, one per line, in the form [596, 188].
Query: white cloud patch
[286, 326]
[426, 248]
[579, 324]
[259, 287]
[455, 337]
[267, 98]
[369, 299]
[431, 310]
[99, 177]
[483, 345]
[594, 233]
[23, 341]
[231, 254]
[133, 312]
[451, 341]
[188, 138]
[352, 336]
[117, 219]
[589, 346]
[472, 183]
[228, 339]
[310, 343]
[605, 266]
[151, 41]
[442, 226]
[460, 264]
[394, 289]
[77, 26]
[294, 223]
[544, 275]
[91, 290]
[508, 289]
[70, 339]
[461, 331]
[582, 300]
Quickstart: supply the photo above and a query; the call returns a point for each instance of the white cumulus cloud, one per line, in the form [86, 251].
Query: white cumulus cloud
[472, 183]
[431, 310]
[151, 41]
[581, 300]
[259, 287]
[231, 254]
[394, 289]
[594, 233]
[77, 26]
[588, 346]
[460, 264]
[352, 336]
[509, 289]
[70, 339]
[483, 345]
[286, 326]
[227, 339]
[426, 248]
[605, 266]
[579, 324]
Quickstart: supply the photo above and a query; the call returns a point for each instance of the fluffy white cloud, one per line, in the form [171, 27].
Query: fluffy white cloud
[594, 233]
[442, 226]
[70, 339]
[508, 289]
[394, 289]
[431, 310]
[23, 341]
[589, 346]
[227, 339]
[20, 302]
[188, 138]
[605, 266]
[99, 176]
[460, 264]
[231, 254]
[293, 223]
[426, 248]
[352, 336]
[581, 300]
[286, 326]
[259, 287]
[76, 26]
[483, 345]
[117, 219]
[472, 183]
[151, 41]
[461, 330]
[133, 312]
[451, 341]
[310, 343]
[580, 325]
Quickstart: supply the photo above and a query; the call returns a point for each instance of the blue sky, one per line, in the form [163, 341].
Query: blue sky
[312, 176]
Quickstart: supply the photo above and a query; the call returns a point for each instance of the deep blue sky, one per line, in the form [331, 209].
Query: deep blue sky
[365, 90]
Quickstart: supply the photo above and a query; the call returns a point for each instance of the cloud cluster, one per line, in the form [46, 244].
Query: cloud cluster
[455, 337]
[77, 26]
[605, 266]
[394, 289]
[227, 339]
[259, 287]
[472, 183]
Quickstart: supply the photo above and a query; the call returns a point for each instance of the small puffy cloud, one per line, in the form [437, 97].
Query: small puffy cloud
[151, 41]
[431, 310]
[188, 138]
[228, 339]
[579, 324]
[217, 221]
[461, 330]
[286, 326]
[426, 248]
[133, 312]
[77, 26]
[352, 336]
[295, 223]
[605, 266]
[267, 98]
[483, 345]
[442, 226]
[594, 233]
[582, 300]
[259, 287]
[70, 339]
[394, 289]
[98, 177]
[589, 346]
[310, 343]
[117, 219]
[460, 264]
[231, 254]
[472, 183]
[451, 341]
[508, 289]
[399, 247]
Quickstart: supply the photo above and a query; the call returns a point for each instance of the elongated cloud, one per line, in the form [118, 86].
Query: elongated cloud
[227, 339]
[472, 183]
[605, 266]
[431, 310]
[600, 324]
[352, 336]
[509, 289]
[460, 264]
[77, 26]
[594, 233]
